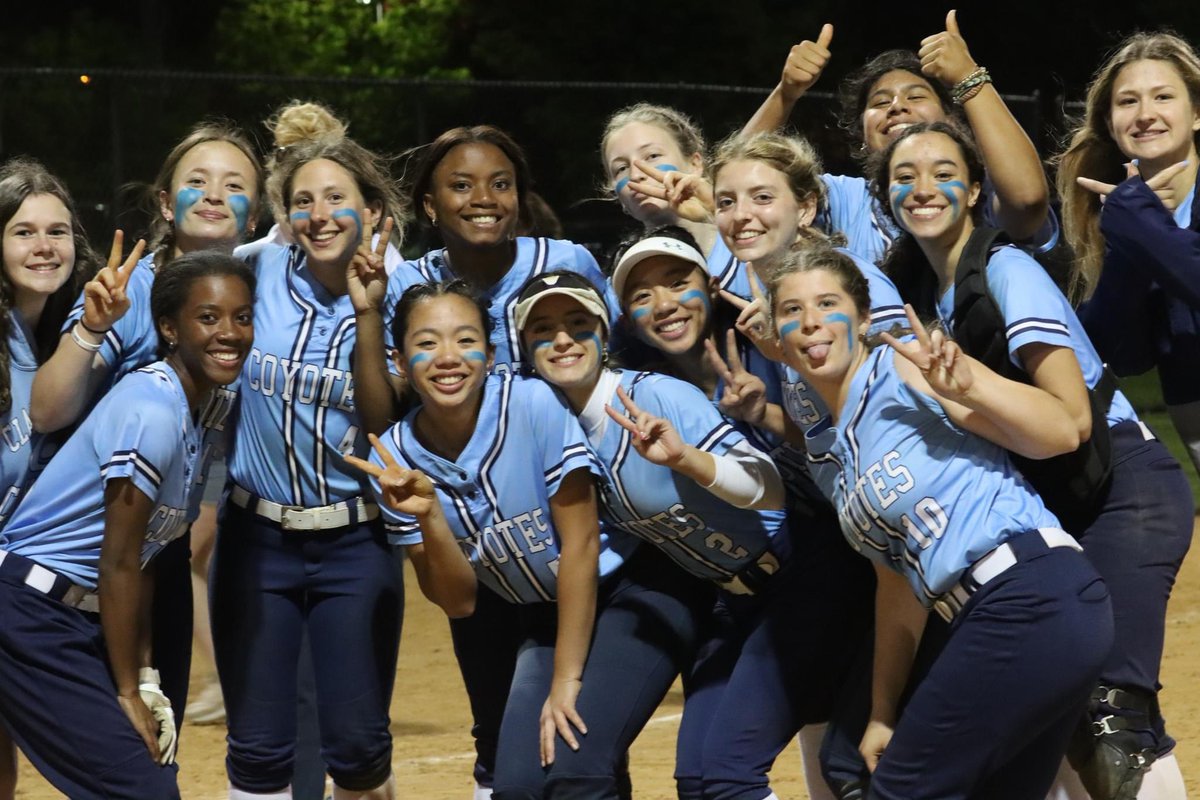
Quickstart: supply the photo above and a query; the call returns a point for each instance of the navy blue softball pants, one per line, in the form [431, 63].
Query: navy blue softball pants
[267, 585]
[773, 662]
[486, 645]
[993, 716]
[1137, 544]
[648, 622]
[58, 700]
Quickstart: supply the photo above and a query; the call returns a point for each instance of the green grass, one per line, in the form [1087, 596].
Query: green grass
[1143, 391]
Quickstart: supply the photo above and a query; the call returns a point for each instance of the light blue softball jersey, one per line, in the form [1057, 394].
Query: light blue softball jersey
[496, 494]
[913, 491]
[141, 430]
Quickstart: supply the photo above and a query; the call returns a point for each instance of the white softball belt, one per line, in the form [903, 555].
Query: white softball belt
[990, 566]
[20, 570]
[298, 518]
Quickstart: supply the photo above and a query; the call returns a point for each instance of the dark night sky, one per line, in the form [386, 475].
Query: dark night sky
[1029, 45]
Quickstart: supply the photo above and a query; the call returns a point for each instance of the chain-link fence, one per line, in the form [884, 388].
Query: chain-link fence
[105, 131]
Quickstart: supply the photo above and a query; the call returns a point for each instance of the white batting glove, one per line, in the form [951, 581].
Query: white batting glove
[152, 695]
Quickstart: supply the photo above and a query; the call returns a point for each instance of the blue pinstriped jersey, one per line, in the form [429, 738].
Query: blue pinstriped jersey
[913, 491]
[296, 413]
[730, 273]
[496, 494]
[699, 531]
[534, 257]
[1035, 310]
[142, 430]
[851, 210]
[24, 452]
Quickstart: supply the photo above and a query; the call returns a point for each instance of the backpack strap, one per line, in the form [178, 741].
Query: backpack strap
[978, 321]
[1072, 485]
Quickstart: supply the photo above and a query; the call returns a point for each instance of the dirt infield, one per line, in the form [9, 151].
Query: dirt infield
[431, 720]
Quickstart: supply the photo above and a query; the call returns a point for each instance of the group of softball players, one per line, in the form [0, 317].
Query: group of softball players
[615, 476]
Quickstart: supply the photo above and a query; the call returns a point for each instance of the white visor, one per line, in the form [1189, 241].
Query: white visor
[647, 248]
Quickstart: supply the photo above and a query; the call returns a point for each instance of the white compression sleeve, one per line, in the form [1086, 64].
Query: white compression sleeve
[747, 478]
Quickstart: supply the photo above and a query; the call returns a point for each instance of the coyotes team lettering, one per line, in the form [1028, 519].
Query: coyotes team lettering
[519, 536]
[678, 523]
[878, 487]
[296, 380]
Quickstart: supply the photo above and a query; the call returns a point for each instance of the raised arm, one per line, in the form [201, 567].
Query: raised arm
[70, 378]
[805, 63]
[1027, 420]
[366, 279]
[444, 574]
[1138, 227]
[1022, 198]
[743, 477]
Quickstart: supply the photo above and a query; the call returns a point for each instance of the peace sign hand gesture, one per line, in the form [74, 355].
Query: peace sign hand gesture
[408, 491]
[654, 438]
[1160, 184]
[752, 318]
[941, 361]
[745, 395]
[104, 298]
[805, 63]
[366, 276]
[944, 56]
[691, 196]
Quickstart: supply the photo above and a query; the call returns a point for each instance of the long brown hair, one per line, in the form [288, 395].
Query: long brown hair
[1092, 152]
[20, 179]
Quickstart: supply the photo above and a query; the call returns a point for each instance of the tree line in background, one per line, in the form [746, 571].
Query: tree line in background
[114, 130]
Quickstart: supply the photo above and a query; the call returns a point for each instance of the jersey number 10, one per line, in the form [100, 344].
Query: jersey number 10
[930, 517]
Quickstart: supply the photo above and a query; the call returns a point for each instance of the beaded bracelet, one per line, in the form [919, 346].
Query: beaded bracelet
[91, 347]
[970, 86]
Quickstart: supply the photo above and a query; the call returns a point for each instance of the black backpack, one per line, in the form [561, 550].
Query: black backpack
[1073, 485]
